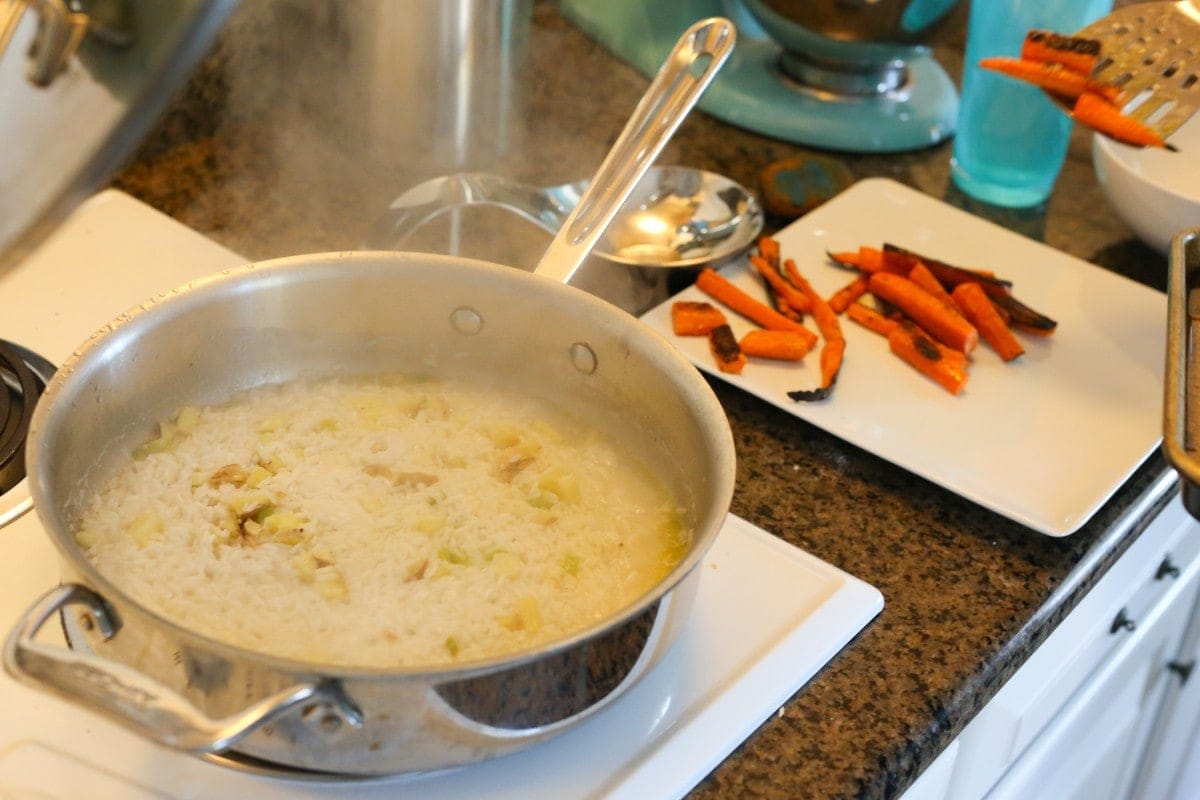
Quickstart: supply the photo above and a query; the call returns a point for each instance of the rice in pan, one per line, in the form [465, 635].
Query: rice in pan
[383, 523]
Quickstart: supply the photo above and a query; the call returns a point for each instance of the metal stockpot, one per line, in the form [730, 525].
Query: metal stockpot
[346, 314]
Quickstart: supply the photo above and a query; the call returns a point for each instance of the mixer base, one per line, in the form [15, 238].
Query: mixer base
[752, 93]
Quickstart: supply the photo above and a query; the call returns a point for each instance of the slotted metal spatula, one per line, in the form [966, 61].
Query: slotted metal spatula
[1151, 51]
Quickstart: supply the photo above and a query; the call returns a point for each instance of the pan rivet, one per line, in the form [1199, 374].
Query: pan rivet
[466, 320]
[583, 358]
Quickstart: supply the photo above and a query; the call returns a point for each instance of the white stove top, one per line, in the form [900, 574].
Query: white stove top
[767, 616]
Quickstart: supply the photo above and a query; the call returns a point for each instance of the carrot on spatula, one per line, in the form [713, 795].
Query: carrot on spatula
[1054, 78]
[1077, 53]
[1103, 116]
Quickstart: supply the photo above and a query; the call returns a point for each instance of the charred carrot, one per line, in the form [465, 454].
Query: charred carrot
[1105, 117]
[944, 324]
[945, 366]
[725, 350]
[1077, 53]
[870, 319]
[998, 289]
[778, 345]
[1054, 78]
[721, 290]
[982, 314]
[949, 274]
[790, 295]
[1022, 316]
[695, 319]
[840, 300]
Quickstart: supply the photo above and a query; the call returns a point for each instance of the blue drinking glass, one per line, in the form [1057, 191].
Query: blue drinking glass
[1011, 140]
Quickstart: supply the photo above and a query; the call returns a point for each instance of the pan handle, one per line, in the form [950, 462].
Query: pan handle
[136, 701]
[683, 77]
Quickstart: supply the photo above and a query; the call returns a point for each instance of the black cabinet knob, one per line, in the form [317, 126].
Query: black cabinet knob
[1182, 668]
[1122, 622]
[1166, 570]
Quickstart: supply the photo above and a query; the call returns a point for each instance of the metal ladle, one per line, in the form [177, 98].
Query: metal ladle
[579, 214]
[674, 217]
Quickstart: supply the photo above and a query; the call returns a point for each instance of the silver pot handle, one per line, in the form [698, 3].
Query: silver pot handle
[134, 700]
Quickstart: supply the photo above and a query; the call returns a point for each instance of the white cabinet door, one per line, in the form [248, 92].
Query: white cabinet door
[1171, 770]
[932, 783]
[1092, 749]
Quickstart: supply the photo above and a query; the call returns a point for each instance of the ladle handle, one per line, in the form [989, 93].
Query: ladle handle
[690, 67]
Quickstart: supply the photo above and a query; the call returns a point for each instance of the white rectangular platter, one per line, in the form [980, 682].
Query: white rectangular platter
[1043, 440]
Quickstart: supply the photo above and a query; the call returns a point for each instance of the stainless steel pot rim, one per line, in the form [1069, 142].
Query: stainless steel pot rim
[261, 273]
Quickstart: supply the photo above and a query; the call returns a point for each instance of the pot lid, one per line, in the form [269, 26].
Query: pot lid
[81, 81]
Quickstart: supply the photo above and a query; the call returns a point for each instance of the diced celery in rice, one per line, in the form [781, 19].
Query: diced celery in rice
[469, 522]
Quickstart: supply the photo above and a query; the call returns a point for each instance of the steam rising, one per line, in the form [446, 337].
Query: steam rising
[325, 111]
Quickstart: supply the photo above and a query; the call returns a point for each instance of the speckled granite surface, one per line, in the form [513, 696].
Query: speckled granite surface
[267, 160]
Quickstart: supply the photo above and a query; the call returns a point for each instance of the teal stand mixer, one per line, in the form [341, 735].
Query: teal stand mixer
[845, 75]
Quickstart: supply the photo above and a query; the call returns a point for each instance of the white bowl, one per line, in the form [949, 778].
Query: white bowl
[1156, 192]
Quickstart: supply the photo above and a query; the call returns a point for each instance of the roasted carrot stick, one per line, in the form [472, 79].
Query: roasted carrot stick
[1074, 52]
[1104, 116]
[945, 366]
[768, 249]
[1000, 290]
[721, 290]
[782, 307]
[844, 258]
[944, 324]
[695, 319]
[725, 350]
[832, 353]
[1054, 78]
[840, 300]
[921, 276]
[870, 259]
[783, 290]
[823, 315]
[870, 319]
[982, 314]
[831, 330]
[778, 345]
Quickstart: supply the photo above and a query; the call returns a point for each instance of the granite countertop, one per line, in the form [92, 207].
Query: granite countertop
[265, 161]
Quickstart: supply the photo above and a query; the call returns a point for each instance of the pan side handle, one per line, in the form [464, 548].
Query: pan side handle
[134, 700]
